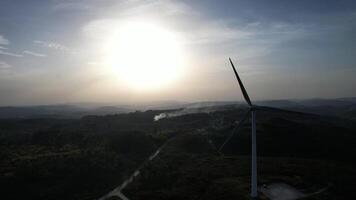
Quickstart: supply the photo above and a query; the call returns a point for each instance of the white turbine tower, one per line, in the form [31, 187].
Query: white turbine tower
[252, 109]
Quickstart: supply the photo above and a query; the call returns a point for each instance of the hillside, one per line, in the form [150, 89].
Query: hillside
[85, 158]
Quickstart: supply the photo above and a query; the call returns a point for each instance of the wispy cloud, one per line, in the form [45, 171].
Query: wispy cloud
[126, 8]
[34, 53]
[51, 45]
[3, 50]
[4, 65]
[71, 6]
[94, 63]
[10, 54]
[3, 40]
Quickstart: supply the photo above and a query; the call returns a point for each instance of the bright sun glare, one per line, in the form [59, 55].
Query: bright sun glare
[145, 56]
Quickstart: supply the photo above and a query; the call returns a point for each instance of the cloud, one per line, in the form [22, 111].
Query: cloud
[218, 37]
[4, 65]
[4, 41]
[95, 63]
[34, 54]
[71, 6]
[74, 5]
[10, 54]
[161, 8]
[125, 8]
[216, 32]
[51, 45]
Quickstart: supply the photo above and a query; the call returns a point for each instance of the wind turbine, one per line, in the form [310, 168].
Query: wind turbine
[252, 109]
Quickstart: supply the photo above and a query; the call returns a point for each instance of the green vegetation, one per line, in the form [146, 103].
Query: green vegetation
[86, 158]
[71, 159]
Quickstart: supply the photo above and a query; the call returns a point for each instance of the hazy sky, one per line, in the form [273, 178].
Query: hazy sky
[53, 51]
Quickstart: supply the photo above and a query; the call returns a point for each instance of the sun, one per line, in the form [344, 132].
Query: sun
[145, 56]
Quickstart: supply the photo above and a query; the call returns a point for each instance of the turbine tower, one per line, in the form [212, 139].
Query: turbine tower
[252, 109]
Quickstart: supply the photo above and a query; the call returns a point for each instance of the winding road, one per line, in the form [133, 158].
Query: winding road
[117, 191]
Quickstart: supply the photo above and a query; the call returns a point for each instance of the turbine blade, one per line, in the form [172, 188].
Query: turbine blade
[266, 108]
[243, 90]
[236, 129]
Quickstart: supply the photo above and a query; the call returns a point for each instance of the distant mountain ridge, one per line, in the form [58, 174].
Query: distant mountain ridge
[57, 111]
[340, 106]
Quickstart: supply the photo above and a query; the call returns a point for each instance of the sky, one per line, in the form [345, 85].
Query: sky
[56, 51]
